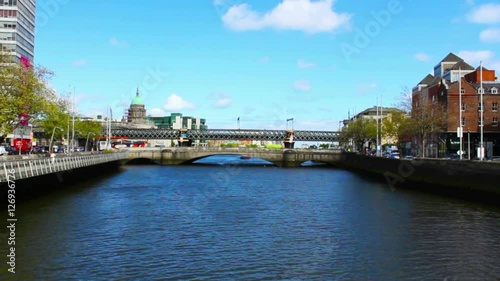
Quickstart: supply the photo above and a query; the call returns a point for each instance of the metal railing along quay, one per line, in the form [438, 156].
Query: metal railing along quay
[14, 168]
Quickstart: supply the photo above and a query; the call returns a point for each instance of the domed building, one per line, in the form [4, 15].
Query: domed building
[137, 111]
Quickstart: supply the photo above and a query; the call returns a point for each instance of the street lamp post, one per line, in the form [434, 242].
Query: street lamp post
[289, 119]
[468, 142]
[52, 137]
[87, 142]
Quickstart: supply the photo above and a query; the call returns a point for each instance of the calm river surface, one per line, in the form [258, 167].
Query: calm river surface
[251, 223]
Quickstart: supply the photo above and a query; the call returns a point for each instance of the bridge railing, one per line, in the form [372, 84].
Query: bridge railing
[32, 167]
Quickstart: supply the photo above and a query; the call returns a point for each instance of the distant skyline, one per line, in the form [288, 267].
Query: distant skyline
[261, 61]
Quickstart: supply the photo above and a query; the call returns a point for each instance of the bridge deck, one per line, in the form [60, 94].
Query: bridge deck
[226, 134]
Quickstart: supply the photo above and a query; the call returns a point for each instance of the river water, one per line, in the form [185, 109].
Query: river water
[251, 223]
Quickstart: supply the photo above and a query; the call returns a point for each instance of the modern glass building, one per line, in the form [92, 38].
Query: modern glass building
[17, 29]
[176, 121]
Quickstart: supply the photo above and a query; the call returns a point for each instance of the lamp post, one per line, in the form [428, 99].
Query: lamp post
[87, 142]
[52, 137]
[468, 142]
[289, 119]
[460, 128]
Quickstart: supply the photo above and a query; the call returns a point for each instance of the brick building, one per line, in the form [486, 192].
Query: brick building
[446, 92]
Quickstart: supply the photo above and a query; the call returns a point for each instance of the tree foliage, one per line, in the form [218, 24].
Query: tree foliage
[23, 90]
[394, 126]
[360, 131]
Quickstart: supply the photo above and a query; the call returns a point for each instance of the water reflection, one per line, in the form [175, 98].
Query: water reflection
[233, 159]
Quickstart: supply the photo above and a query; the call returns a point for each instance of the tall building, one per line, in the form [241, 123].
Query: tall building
[17, 29]
[445, 90]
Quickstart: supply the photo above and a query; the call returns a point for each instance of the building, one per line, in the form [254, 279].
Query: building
[137, 111]
[17, 29]
[376, 113]
[448, 91]
[176, 121]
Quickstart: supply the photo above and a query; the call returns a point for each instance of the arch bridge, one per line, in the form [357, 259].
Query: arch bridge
[279, 157]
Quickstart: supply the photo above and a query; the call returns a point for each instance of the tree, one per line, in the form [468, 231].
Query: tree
[394, 126]
[360, 131]
[427, 118]
[23, 91]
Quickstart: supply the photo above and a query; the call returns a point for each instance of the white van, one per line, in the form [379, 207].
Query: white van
[3, 151]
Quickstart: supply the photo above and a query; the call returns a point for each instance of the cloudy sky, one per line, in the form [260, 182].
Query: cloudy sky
[263, 61]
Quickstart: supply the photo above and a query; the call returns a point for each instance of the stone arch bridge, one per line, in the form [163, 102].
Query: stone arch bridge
[187, 155]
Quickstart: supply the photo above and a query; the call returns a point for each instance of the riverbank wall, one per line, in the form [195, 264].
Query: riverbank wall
[463, 178]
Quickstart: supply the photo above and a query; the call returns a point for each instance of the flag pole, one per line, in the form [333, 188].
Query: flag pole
[481, 156]
[460, 110]
[376, 119]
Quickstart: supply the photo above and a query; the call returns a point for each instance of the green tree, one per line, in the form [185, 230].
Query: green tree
[23, 90]
[359, 131]
[393, 126]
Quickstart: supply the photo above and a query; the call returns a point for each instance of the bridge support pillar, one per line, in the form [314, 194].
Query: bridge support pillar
[289, 141]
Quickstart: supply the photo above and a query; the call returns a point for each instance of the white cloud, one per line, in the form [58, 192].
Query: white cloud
[366, 87]
[305, 64]
[117, 43]
[491, 35]
[175, 102]
[222, 101]
[485, 56]
[302, 86]
[301, 15]
[474, 57]
[80, 62]
[156, 112]
[487, 13]
[422, 57]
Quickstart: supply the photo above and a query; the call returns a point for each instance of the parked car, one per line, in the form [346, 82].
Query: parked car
[394, 155]
[409, 157]
[495, 158]
[451, 156]
[11, 150]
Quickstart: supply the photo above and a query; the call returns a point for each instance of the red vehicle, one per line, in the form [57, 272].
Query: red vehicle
[139, 144]
[24, 145]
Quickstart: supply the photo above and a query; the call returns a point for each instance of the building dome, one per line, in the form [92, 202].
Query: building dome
[137, 99]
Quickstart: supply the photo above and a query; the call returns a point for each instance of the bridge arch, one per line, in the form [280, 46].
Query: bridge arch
[280, 157]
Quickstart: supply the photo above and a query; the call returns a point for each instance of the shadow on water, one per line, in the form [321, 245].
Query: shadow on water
[442, 191]
[59, 184]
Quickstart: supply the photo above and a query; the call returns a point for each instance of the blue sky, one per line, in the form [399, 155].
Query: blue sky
[262, 61]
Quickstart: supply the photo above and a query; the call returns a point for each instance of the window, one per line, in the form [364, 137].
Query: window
[464, 106]
[494, 122]
[494, 90]
[495, 106]
[479, 122]
[462, 91]
[480, 107]
[480, 90]
[463, 121]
